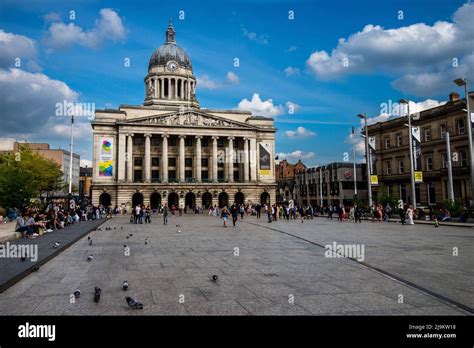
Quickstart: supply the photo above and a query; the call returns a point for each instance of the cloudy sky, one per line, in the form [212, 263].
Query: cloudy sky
[311, 65]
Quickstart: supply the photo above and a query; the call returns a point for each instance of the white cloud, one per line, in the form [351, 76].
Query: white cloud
[258, 107]
[42, 94]
[108, 27]
[260, 39]
[232, 78]
[290, 71]
[52, 17]
[300, 132]
[292, 48]
[296, 155]
[292, 107]
[15, 46]
[415, 51]
[206, 82]
[86, 163]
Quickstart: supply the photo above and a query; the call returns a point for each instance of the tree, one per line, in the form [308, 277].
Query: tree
[25, 175]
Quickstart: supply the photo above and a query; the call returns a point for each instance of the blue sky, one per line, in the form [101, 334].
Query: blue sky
[390, 55]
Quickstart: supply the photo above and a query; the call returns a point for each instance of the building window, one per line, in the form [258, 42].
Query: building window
[188, 162]
[220, 164]
[155, 161]
[188, 142]
[188, 174]
[463, 157]
[155, 175]
[137, 161]
[460, 126]
[401, 166]
[236, 175]
[172, 141]
[399, 140]
[403, 192]
[204, 162]
[137, 175]
[137, 141]
[155, 141]
[431, 193]
[427, 134]
[442, 130]
[220, 175]
[388, 168]
[429, 163]
[220, 142]
[172, 162]
[172, 174]
[386, 142]
[204, 175]
[444, 160]
[204, 142]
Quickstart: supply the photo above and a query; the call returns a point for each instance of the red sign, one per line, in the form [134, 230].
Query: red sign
[348, 174]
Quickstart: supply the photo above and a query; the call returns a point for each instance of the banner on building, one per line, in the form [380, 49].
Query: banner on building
[372, 160]
[374, 180]
[418, 176]
[264, 159]
[416, 137]
[106, 162]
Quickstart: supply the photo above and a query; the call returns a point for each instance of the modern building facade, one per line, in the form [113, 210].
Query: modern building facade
[393, 159]
[330, 184]
[171, 150]
[285, 177]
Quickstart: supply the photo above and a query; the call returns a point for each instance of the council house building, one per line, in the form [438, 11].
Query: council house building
[170, 150]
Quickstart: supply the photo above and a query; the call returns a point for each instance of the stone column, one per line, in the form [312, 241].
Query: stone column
[169, 88]
[182, 166]
[253, 159]
[164, 158]
[175, 88]
[129, 157]
[230, 159]
[122, 138]
[182, 88]
[155, 93]
[246, 159]
[198, 158]
[214, 158]
[147, 159]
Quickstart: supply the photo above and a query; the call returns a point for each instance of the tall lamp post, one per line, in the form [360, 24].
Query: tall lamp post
[70, 156]
[367, 159]
[410, 143]
[354, 162]
[463, 83]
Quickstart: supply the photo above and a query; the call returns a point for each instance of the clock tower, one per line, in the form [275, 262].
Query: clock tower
[170, 80]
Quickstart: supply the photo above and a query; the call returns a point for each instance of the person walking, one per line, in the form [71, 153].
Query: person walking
[165, 214]
[357, 214]
[330, 212]
[234, 212]
[148, 214]
[410, 213]
[269, 210]
[401, 211]
[225, 215]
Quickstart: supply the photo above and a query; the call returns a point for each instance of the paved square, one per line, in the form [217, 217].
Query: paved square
[263, 269]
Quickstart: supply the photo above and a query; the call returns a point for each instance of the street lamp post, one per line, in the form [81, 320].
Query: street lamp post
[354, 164]
[410, 143]
[463, 83]
[367, 159]
[450, 169]
[321, 186]
[70, 157]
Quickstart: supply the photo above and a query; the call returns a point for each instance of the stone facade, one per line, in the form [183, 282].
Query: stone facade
[172, 150]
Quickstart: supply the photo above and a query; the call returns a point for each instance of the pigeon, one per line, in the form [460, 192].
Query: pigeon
[131, 234]
[56, 245]
[178, 225]
[115, 228]
[146, 241]
[121, 227]
[77, 293]
[90, 257]
[128, 237]
[124, 246]
[97, 293]
[179, 231]
[100, 229]
[125, 286]
[36, 268]
[90, 240]
[134, 304]
[215, 277]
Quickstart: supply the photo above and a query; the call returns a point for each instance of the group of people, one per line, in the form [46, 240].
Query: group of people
[53, 217]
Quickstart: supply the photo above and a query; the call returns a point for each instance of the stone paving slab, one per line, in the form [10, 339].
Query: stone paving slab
[271, 269]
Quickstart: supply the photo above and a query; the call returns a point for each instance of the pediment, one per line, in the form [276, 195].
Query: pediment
[189, 119]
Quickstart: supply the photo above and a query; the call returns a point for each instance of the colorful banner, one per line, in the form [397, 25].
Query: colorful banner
[264, 159]
[106, 162]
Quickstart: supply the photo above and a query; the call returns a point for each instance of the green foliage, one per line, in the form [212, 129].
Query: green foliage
[26, 175]
[455, 207]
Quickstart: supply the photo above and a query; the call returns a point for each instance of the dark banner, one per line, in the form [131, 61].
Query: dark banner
[264, 158]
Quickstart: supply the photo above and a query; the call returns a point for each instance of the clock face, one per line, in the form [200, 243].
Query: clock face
[172, 65]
